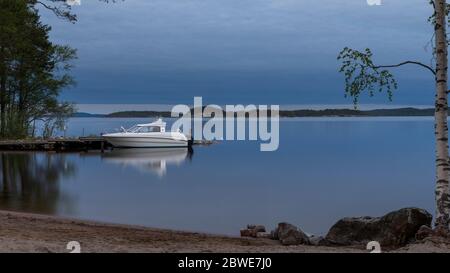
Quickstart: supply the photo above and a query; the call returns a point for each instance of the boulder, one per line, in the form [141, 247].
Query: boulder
[318, 241]
[424, 232]
[253, 231]
[274, 234]
[394, 229]
[258, 228]
[289, 235]
[248, 233]
[265, 235]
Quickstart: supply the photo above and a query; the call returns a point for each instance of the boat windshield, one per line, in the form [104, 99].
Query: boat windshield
[144, 129]
[132, 129]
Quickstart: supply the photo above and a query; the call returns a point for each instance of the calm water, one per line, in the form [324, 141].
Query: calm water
[325, 169]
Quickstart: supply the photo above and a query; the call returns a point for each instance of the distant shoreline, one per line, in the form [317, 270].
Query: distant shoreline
[396, 112]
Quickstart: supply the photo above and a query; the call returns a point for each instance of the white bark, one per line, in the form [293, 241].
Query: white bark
[441, 129]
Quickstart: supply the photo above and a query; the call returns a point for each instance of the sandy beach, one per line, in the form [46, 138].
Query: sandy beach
[22, 232]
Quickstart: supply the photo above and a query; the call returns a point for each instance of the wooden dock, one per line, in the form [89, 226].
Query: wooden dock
[56, 144]
[67, 144]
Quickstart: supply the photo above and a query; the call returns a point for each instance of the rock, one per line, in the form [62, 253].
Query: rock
[258, 228]
[253, 230]
[441, 232]
[424, 232]
[318, 241]
[265, 235]
[248, 233]
[394, 229]
[274, 234]
[290, 235]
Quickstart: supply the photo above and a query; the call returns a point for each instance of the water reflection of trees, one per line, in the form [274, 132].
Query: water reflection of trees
[31, 182]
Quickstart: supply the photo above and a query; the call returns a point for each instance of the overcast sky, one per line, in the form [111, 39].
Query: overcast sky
[240, 51]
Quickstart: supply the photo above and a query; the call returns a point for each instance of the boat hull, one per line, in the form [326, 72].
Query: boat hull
[130, 141]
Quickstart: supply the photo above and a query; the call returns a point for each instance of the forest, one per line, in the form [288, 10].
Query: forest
[33, 72]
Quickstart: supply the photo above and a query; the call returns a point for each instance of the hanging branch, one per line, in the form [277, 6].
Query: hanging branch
[62, 11]
[362, 74]
[408, 62]
[61, 8]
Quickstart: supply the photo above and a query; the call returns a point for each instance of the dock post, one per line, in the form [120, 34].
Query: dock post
[102, 146]
[190, 141]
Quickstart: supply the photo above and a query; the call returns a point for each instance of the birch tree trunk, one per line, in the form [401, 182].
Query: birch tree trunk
[441, 129]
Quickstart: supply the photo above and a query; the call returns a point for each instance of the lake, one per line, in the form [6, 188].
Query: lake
[324, 169]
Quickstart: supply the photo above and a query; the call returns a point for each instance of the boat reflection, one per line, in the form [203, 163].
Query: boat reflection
[148, 160]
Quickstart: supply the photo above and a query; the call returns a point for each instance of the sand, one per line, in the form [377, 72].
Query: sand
[22, 232]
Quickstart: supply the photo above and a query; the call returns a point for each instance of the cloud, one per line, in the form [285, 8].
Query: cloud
[162, 43]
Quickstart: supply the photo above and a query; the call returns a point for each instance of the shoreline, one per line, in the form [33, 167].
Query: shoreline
[26, 232]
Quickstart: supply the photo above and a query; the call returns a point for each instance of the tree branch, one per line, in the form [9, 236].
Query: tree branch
[408, 62]
[61, 8]
[61, 12]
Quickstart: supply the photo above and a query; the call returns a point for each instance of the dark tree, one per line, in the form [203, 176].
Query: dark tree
[33, 71]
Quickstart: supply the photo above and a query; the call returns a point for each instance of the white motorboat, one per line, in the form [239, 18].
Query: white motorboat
[149, 135]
